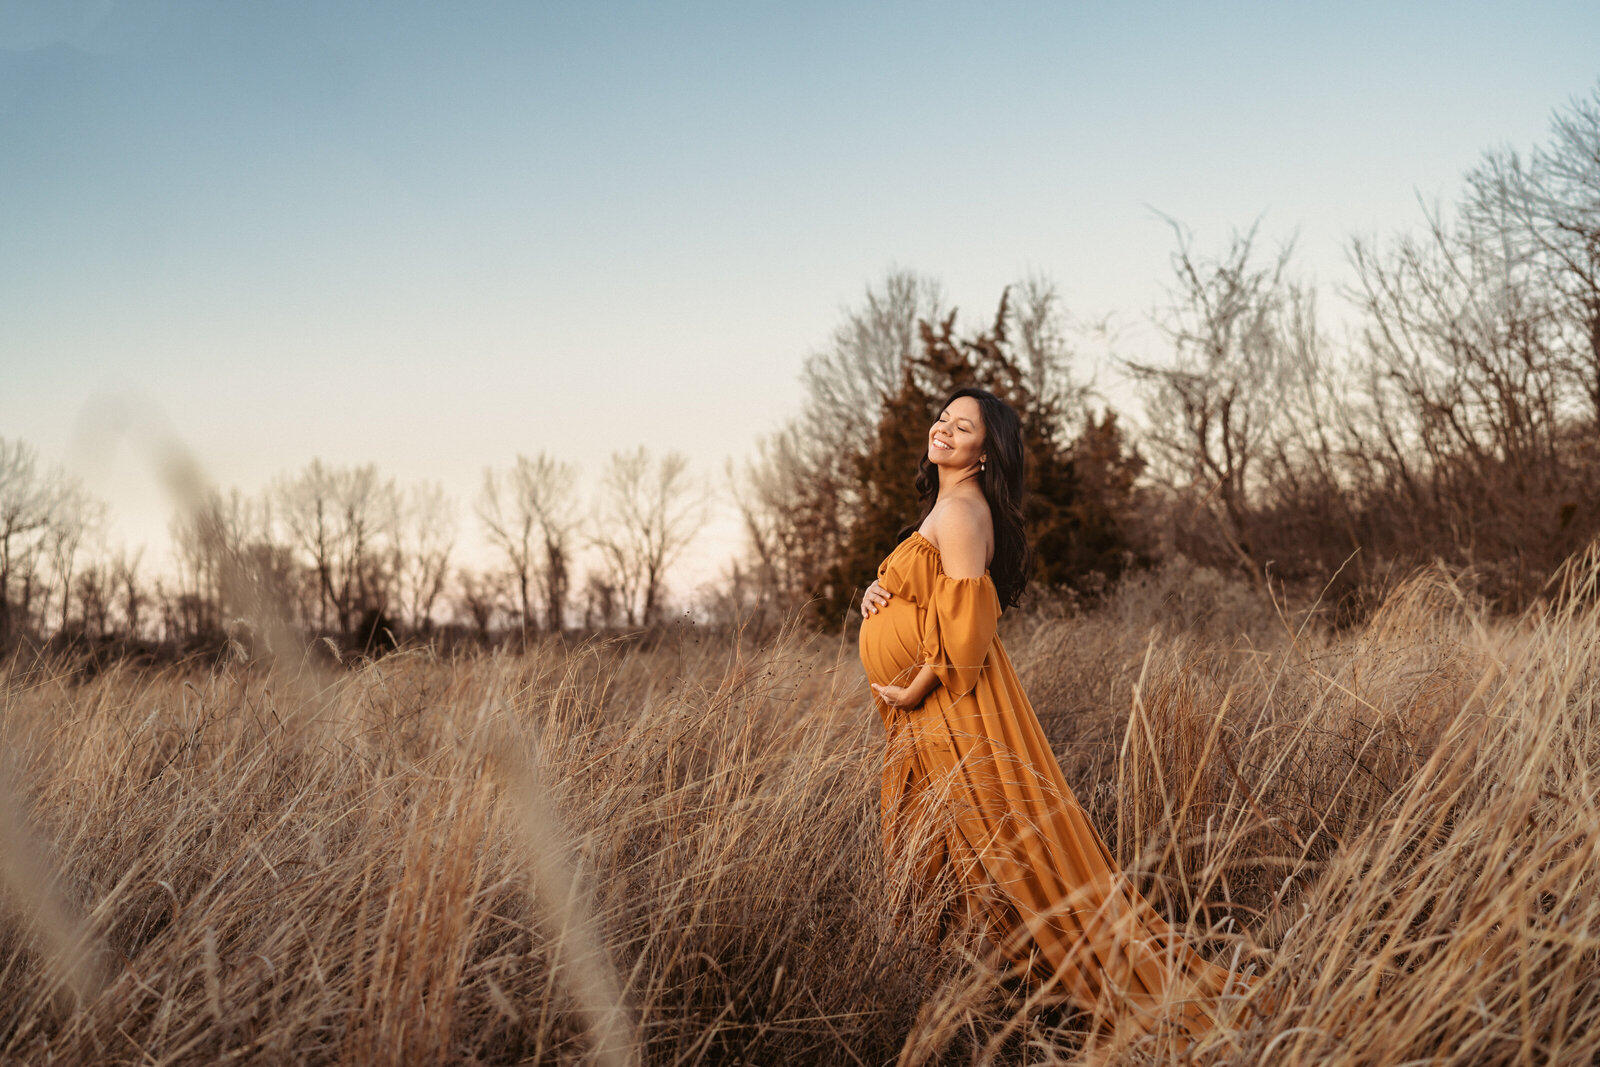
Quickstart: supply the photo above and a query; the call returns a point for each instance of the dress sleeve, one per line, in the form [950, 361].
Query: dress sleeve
[957, 630]
[897, 575]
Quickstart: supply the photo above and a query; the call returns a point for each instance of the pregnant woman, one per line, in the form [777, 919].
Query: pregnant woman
[971, 790]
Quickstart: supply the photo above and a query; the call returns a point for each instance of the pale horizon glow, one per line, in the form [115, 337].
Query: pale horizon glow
[432, 236]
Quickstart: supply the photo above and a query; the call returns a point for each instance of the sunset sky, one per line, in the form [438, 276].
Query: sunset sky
[434, 235]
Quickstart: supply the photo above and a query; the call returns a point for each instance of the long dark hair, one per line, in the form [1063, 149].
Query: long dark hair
[1002, 482]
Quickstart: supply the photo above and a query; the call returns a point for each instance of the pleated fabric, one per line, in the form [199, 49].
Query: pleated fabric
[971, 787]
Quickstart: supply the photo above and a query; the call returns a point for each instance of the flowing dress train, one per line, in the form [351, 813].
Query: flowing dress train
[972, 791]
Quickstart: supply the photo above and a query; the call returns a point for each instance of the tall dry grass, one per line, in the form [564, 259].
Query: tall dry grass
[669, 853]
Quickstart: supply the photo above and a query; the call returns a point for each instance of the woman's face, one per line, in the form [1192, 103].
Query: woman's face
[956, 439]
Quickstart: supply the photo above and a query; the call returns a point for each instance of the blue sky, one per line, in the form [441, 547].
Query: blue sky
[434, 235]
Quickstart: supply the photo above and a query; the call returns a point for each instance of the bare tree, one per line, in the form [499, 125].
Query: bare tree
[305, 504]
[1473, 406]
[95, 589]
[647, 514]
[423, 544]
[229, 566]
[478, 598]
[1464, 348]
[26, 503]
[1037, 326]
[344, 519]
[127, 583]
[76, 516]
[846, 382]
[196, 606]
[1316, 444]
[558, 523]
[530, 514]
[44, 516]
[799, 494]
[600, 602]
[1211, 407]
[369, 511]
[1539, 216]
[778, 505]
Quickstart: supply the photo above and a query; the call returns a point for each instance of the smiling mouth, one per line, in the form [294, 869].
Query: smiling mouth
[940, 444]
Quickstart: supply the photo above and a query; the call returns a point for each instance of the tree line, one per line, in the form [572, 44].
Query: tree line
[347, 554]
[1459, 421]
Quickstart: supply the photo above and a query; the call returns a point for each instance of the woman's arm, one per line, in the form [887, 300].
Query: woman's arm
[963, 533]
[909, 696]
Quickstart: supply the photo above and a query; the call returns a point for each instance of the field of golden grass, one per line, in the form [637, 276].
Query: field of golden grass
[668, 852]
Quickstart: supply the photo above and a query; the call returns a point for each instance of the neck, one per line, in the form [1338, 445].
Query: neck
[949, 479]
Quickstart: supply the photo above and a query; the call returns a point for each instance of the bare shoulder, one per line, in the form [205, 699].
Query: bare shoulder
[962, 530]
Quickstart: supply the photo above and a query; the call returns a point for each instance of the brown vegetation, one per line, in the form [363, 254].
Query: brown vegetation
[671, 851]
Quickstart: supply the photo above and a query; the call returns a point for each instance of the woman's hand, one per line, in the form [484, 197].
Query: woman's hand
[896, 696]
[874, 598]
[909, 696]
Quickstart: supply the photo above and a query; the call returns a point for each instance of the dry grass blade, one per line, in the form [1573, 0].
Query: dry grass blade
[70, 946]
[582, 965]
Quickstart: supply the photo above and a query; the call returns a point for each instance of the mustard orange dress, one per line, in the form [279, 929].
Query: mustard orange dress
[971, 790]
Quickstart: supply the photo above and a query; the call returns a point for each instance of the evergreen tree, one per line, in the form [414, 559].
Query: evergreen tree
[885, 476]
[1079, 492]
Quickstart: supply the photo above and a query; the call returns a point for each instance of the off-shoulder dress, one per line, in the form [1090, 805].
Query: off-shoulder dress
[971, 790]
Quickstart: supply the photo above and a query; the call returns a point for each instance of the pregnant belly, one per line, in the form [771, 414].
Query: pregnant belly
[891, 643]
